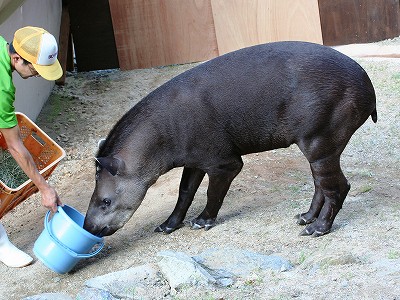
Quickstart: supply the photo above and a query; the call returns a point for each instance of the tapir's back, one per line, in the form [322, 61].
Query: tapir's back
[269, 96]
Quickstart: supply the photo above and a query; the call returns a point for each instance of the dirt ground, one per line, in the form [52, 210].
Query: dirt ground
[359, 259]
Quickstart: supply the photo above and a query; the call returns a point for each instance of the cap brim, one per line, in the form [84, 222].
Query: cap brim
[51, 72]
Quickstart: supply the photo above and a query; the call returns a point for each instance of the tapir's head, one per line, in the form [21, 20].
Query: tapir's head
[116, 197]
[126, 166]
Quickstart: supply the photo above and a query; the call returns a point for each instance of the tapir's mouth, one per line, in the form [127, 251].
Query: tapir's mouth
[93, 230]
[103, 231]
[106, 230]
[97, 230]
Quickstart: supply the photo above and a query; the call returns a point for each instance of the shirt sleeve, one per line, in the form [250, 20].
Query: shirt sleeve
[8, 118]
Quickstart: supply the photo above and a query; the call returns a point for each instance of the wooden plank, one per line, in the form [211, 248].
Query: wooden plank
[64, 43]
[7, 8]
[359, 21]
[242, 23]
[152, 33]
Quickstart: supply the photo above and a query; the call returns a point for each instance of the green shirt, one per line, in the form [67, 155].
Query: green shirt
[7, 89]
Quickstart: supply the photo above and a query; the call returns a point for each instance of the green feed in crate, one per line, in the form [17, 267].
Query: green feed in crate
[10, 172]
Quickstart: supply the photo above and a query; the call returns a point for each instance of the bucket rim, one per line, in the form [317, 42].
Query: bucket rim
[60, 209]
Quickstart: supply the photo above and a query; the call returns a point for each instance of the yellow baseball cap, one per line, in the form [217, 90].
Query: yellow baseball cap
[40, 48]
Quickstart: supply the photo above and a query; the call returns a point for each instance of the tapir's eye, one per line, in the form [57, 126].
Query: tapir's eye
[107, 202]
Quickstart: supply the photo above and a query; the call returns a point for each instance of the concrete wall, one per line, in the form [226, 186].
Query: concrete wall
[32, 93]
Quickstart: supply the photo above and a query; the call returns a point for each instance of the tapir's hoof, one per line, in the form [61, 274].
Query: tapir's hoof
[302, 220]
[167, 230]
[199, 224]
[310, 231]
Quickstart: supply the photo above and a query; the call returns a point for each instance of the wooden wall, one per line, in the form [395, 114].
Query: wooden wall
[162, 32]
[359, 21]
[158, 32]
[132, 34]
[243, 23]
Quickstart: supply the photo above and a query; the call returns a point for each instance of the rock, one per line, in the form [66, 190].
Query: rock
[49, 296]
[241, 263]
[213, 267]
[181, 270]
[132, 283]
[216, 266]
[94, 294]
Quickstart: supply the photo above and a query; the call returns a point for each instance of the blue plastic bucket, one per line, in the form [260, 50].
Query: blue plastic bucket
[63, 241]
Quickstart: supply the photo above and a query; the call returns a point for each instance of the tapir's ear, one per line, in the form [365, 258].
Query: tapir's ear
[100, 143]
[111, 164]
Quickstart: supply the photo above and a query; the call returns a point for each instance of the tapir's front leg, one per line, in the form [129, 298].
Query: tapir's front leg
[190, 182]
[220, 180]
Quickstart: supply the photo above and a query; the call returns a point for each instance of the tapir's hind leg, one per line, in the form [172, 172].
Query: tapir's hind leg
[190, 182]
[220, 179]
[315, 207]
[331, 188]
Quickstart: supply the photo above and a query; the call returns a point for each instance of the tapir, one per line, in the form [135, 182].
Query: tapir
[251, 100]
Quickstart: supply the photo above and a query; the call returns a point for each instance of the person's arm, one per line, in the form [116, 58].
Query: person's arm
[24, 159]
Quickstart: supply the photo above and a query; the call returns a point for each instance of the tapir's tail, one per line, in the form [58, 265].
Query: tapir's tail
[374, 115]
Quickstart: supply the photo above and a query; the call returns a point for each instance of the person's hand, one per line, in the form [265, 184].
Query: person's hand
[50, 198]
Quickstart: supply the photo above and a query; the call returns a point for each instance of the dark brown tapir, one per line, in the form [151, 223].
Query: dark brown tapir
[251, 100]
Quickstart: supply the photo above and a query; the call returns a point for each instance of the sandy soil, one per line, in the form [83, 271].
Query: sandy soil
[360, 259]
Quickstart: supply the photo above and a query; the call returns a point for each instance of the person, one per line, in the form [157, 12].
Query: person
[32, 53]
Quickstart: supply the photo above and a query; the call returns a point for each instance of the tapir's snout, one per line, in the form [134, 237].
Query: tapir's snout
[101, 220]
[97, 224]
[98, 230]
[91, 227]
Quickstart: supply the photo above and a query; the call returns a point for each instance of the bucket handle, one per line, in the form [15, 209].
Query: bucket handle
[71, 252]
